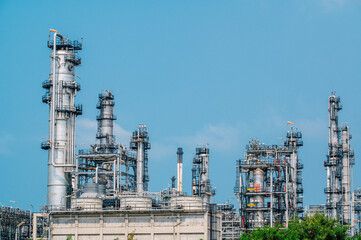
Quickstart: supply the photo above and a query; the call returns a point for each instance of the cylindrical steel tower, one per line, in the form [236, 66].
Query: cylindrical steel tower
[346, 185]
[258, 179]
[180, 170]
[201, 185]
[334, 168]
[105, 123]
[140, 143]
[61, 91]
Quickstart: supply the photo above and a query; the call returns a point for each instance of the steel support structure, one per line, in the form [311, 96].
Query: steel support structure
[269, 183]
[339, 163]
[140, 144]
[108, 164]
[14, 222]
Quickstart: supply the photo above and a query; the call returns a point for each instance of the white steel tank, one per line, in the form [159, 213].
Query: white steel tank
[186, 202]
[135, 202]
[87, 204]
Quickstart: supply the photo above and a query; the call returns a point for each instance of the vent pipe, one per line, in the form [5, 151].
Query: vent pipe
[180, 170]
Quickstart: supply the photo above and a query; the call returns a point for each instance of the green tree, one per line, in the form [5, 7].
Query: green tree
[316, 227]
[69, 237]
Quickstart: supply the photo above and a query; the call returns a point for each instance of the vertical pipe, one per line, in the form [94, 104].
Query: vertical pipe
[346, 175]
[271, 195]
[77, 175]
[352, 210]
[180, 170]
[286, 195]
[114, 177]
[53, 101]
[140, 166]
[96, 174]
[118, 173]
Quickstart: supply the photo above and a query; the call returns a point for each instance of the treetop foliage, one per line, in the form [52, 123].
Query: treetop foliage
[317, 226]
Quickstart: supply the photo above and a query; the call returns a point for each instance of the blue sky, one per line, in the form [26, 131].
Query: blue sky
[196, 72]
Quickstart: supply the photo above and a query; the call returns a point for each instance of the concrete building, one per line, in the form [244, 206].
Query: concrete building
[151, 224]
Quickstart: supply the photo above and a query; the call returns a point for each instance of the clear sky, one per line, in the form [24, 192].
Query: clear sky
[196, 72]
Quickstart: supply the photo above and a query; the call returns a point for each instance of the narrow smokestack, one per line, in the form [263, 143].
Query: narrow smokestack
[180, 170]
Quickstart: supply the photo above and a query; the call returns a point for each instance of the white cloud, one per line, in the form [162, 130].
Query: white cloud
[333, 5]
[86, 131]
[313, 128]
[5, 141]
[162, 151]
[220, 137]
[122, 135]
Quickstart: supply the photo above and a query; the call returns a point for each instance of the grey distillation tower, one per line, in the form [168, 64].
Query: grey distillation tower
[201, 185]
[340, 159]
[61, 91]
[105, 123]
[140, 143]
[97, 173]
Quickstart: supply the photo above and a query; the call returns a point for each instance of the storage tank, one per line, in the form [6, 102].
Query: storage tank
[87, 204]
[90, 200]
[135, 202]
[186, 202]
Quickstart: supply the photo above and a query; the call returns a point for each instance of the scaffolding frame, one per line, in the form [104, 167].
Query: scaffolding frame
[269, 183]
[10, 223]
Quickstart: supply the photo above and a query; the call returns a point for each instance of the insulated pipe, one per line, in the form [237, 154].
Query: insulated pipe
[140, 166]
[53, 100]
[271, 196]
[180, 170]
[346, 191]
[293, 171]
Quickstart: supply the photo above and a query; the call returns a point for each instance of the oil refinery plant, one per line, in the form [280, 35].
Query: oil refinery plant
[102, 192]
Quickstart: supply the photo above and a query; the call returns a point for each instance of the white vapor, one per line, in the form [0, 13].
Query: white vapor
[86, 131]
[220, 137]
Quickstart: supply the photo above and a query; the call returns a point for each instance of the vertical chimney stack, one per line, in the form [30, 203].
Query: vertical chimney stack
[180, 170]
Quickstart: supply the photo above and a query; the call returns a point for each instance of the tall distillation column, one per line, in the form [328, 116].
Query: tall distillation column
[333, 158]
[201, 185]
[293, 142]
[105, 123]
[61, 91]
[258, 200]
[347, 163]
[180, 170]
[140, 143]
[100, 166]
